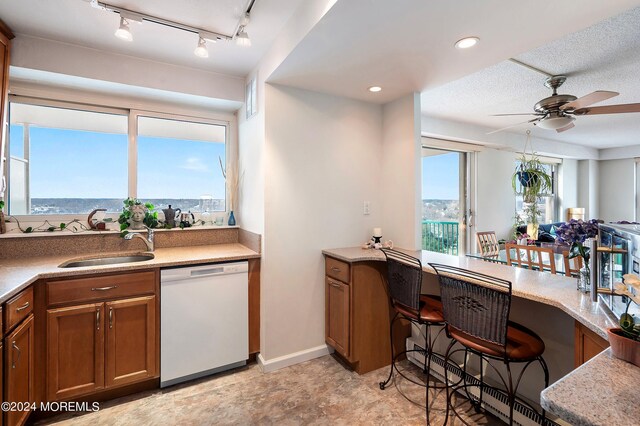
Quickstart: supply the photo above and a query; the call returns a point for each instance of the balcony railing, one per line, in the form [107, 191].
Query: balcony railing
[441, 237]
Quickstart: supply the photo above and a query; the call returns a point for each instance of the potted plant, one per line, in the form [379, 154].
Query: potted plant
[531, 180]
[136, 215]
[575, 232]
[625, 341]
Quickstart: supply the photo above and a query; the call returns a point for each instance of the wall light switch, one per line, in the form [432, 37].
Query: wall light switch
[366, 209]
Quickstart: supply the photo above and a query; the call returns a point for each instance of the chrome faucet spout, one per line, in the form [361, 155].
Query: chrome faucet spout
[148, 240]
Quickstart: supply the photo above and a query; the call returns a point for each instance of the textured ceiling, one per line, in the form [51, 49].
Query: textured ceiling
[605, 56]
[77, 22]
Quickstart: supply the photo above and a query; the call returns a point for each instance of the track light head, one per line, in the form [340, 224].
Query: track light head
[242, 38]
[124, 32]
[201, 51]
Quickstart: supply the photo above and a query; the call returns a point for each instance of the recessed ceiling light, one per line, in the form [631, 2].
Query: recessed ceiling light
[467, 42]
[375, 89]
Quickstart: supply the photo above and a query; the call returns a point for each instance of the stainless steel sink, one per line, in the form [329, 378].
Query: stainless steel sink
[111, 260]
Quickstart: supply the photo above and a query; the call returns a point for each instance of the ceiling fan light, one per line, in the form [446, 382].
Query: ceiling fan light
[555, 121]
[123, 32]
[201, 51]
[242, 39]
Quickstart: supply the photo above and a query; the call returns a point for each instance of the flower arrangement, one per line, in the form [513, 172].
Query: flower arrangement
[575, 232]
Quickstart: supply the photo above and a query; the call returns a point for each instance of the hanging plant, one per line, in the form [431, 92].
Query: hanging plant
[530, 179]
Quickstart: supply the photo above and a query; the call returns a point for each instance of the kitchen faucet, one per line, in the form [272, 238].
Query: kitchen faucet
[148, 241]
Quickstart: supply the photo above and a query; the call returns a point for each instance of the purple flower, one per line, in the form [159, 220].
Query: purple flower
[576, 231]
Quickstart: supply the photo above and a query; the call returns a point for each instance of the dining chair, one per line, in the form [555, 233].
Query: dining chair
[487, 243]
[571, 266]
[531, 257]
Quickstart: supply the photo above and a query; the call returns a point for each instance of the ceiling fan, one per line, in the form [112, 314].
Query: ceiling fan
[558, 112]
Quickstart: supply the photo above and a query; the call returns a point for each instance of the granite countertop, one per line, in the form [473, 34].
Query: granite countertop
[16, 274]
[554, 290]
[603, 391]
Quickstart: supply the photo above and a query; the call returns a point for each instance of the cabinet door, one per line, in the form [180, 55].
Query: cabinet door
[131, 340]
[19, 370]
[337, 315]
[75, 351]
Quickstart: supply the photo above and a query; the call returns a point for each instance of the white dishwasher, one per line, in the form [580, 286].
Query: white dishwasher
[204, 323]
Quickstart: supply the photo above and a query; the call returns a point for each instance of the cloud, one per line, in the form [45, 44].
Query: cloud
[194, 164]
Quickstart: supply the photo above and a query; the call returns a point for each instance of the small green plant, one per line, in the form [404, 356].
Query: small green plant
[150, 216]
[629, 328]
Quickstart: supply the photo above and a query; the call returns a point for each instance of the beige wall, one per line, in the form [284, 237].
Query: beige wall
[617, 190]
[321, 162]
[401, 172]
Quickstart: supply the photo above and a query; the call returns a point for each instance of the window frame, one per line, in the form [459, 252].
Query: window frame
[132, 115]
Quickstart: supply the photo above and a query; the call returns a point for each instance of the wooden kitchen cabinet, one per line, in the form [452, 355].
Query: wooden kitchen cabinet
[358, 314]
[19, 370]
[587, 344]
[75, 347]
[337, 315]
[131, 340]
[110, 343]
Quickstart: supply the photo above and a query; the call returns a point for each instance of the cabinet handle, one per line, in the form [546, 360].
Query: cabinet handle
[98, 318]
[15, 361]
[110, 317]
[331, 283]
[111, 287]
[334, 269]
[23, 307]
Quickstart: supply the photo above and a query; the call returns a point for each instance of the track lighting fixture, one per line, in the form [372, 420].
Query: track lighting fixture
[127, 16]
[201, 50]
[242, 38]
[124, 32]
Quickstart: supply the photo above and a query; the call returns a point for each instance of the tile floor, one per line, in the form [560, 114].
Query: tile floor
[320, 391]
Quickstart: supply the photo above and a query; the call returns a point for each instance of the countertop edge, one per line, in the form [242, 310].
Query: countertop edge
[125, 267]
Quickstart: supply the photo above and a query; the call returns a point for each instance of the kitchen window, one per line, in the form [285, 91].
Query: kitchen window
[68, 159]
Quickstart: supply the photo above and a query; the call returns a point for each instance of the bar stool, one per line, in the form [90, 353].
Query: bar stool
[404, 280]
[476, 309]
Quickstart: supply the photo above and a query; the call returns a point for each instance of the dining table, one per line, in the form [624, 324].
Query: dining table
[501, 258]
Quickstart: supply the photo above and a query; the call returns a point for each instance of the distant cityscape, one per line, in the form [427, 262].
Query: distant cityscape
[54, 206]
[441, 210]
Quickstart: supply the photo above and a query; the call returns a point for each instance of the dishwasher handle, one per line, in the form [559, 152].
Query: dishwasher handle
[179, 274]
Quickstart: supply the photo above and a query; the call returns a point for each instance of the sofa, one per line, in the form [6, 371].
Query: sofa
[545, 234]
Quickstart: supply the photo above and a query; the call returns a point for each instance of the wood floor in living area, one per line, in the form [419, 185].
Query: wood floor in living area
[320, 391]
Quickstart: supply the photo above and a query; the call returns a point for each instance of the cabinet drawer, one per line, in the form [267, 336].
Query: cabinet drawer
[19, 308]
[100, 287]
[337, 269]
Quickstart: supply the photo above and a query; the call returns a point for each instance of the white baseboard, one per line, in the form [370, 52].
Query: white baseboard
[267, 366]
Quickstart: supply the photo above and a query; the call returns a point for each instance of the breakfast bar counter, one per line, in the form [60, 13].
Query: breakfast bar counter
[554, 290]
[599, 392]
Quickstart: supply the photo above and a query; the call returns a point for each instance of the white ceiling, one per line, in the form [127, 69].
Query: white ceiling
[77, 22]
[605, 56]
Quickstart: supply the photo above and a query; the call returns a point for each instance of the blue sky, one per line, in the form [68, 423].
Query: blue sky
[440, 177]
[78, 164]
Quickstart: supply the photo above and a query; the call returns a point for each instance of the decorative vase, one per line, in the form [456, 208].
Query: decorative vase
[232, 219]
[584, 280]
[624, 348]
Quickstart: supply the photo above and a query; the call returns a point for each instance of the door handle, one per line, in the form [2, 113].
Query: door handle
[111, 287]
[98, 318]
[334, 269]
[110, 317]
[23, 307]
[14, 361]
[332, 284]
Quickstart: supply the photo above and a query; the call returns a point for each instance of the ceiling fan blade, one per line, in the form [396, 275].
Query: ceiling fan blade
[522, 113]
[565, 128]
[590, 99]
[608, 109]
[513, 125]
